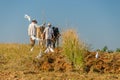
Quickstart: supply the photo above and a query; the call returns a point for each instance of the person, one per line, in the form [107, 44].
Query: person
[32, 32]
[56, 36]
[48, 32]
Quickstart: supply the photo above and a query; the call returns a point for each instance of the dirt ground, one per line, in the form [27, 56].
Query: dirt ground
[105, 63]
[55, 66]
[32, 75]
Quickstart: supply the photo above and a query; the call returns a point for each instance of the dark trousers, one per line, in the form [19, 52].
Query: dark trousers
[32, 42]
[48, 43]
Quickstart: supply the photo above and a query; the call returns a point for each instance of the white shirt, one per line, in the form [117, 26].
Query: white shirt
[48, 32]
[32, 29]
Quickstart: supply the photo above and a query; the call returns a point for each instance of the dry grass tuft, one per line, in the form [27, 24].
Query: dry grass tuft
[73, 48]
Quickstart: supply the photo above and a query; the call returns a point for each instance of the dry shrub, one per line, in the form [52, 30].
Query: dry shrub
[73, 48]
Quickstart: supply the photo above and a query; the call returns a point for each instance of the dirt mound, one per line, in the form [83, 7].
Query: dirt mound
[52, 62]
[105, 63]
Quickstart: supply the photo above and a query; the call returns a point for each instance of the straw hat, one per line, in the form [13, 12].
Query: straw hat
[49, 24]
[34, 21]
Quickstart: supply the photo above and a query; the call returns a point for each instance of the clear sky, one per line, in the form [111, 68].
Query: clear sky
[97, 21]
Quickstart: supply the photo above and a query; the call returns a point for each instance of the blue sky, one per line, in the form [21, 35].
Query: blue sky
[97, 21]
